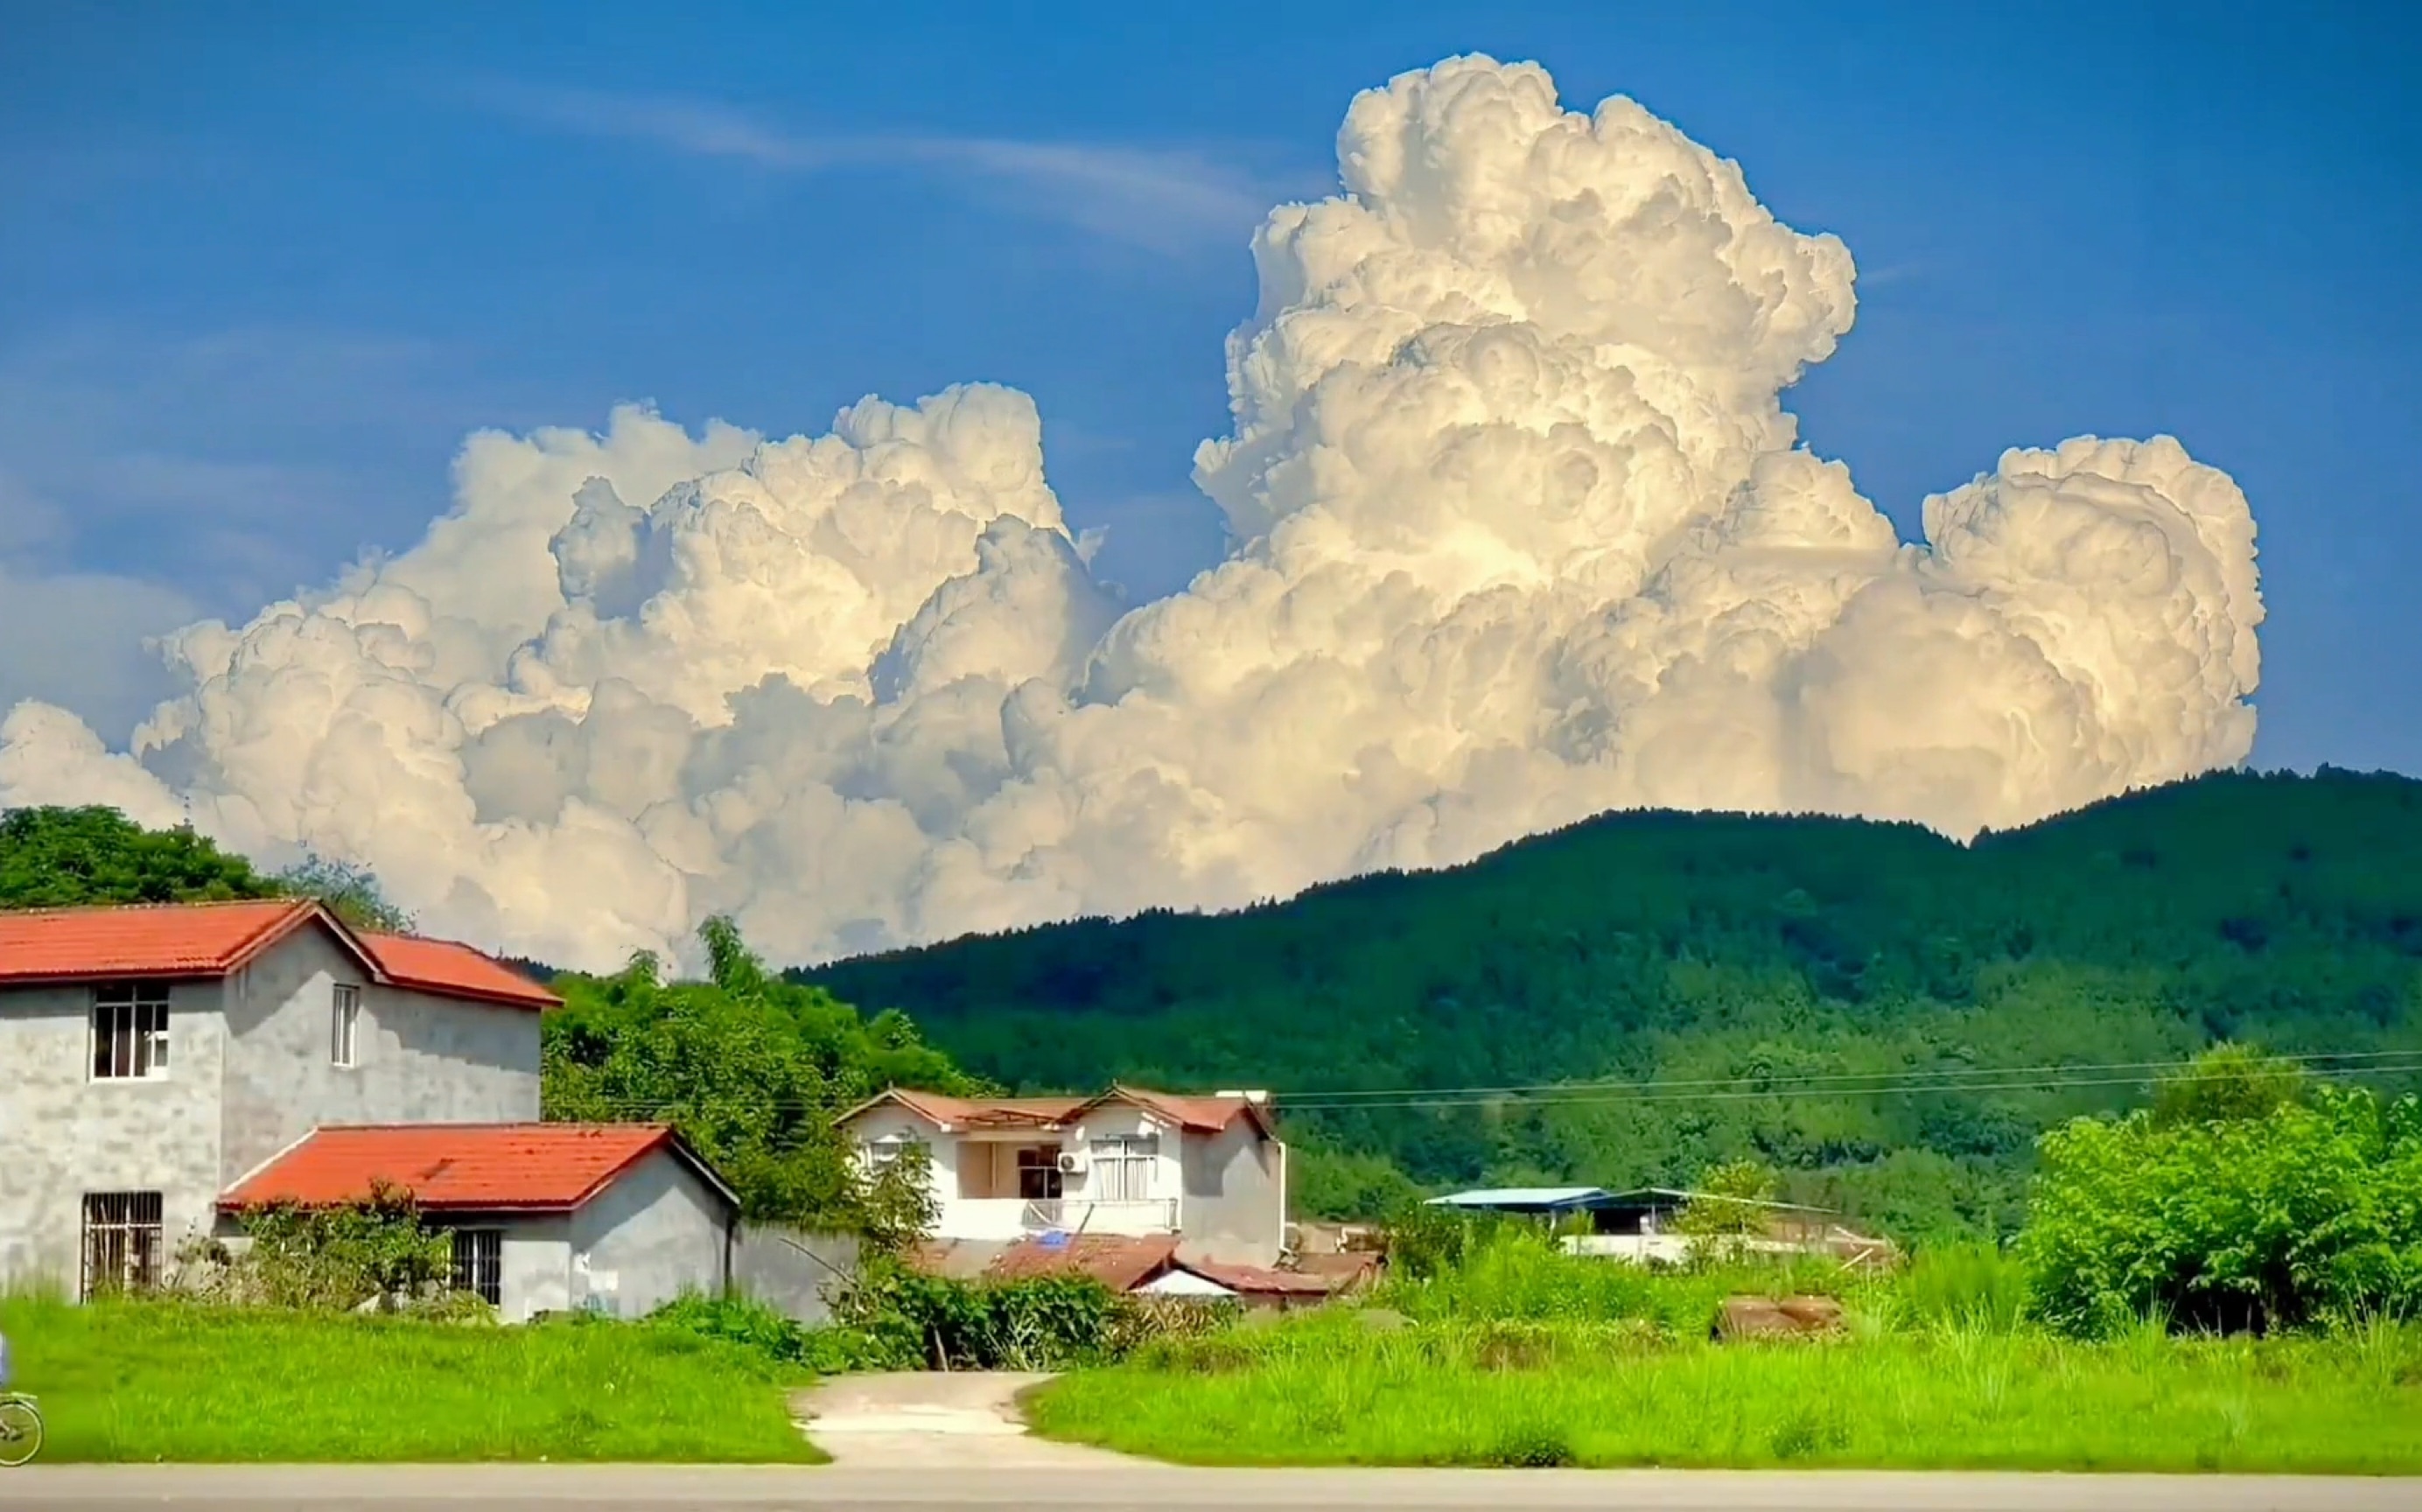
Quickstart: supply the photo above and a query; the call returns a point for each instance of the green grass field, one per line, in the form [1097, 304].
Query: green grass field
[184, 1382]
[1326, 1391]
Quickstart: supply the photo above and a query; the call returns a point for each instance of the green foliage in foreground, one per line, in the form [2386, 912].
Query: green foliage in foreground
[1747, 951]
[191, 1382]
[1329, 1391]
[2274, 1209]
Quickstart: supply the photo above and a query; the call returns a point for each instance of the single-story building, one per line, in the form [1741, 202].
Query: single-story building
[1141, 1266]
[546, 1218]
[1639, 1224]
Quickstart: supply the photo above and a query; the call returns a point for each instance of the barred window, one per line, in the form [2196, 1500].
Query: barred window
[122, 1242]
[480, 1264]
[344, 1024]
[130, 1031]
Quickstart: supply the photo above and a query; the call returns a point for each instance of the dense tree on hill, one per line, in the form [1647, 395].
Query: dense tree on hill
[1733, 961]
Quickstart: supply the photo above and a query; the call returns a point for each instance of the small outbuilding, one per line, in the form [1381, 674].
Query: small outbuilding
[607, 1217]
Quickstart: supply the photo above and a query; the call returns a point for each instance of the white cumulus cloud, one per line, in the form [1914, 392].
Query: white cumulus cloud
[1522, 534]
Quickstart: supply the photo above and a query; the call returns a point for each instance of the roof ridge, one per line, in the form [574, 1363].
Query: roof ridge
[567, 1125]
[56, 909]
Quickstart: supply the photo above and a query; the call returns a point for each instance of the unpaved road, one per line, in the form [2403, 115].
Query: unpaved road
[930, 1421]
[838, 1488]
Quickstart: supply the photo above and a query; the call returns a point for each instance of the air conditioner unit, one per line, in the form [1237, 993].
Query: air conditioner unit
[1072, 1163]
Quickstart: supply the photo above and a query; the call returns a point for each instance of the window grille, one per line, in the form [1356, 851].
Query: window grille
[480, 1264]
[121, 1243]
[130, 1031]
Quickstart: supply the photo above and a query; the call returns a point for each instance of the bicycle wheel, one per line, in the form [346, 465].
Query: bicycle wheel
[21, 1431]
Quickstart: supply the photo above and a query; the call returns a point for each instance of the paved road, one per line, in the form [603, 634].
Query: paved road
[836, 1488]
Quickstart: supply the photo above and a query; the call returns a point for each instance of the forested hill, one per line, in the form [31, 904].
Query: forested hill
[1702, 948]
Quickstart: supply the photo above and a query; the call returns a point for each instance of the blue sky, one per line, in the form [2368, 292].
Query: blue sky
[262, 267]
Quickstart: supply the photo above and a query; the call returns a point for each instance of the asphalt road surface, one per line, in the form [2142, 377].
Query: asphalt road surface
[1097, 1488]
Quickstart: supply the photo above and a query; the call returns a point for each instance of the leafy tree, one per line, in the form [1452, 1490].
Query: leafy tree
[2226, 1083]
[350, 892]
[2307, 1210]
[751, 1070]
[63, 858]
[1726, 1205]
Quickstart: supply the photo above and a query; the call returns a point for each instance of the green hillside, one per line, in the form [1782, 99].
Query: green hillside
[1733, 952]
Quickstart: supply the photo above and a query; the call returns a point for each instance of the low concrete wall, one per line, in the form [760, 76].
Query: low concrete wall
[795, 1272]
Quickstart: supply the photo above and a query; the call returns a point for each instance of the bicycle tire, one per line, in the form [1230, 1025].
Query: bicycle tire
[21, 1431]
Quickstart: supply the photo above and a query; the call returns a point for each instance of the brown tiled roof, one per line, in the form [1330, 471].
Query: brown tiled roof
[1339, 1269]
[1120, 1264]
[1203, 1114]
[1256, 1281]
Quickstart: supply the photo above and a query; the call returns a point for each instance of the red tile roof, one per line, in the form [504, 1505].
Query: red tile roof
[461, 1166]
[170, 939]
[213, 939]
[454, 971]
[1120, 1264]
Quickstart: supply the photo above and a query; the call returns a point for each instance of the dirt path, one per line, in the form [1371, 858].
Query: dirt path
[930, 1419]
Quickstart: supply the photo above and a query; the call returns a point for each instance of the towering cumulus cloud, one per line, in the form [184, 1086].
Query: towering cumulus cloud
[1522, 532]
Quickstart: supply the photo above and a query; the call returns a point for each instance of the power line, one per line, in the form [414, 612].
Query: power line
[1346, 1096]
[2005, 1079]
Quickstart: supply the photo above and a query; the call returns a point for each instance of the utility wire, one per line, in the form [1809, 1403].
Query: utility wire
[2010, 1078]
[1343, 1096]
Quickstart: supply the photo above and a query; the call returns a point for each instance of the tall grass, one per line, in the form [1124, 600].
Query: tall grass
[191, 1382]
[1509, 1352]
[1516, 1273]
[1330, 1390]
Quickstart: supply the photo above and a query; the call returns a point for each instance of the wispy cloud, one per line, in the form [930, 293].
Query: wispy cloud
[1161, 199]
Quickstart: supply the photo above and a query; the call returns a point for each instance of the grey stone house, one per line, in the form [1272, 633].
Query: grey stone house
[154, 1059]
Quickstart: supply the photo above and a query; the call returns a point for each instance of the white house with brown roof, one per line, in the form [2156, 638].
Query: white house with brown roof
[1208, 1170]
[158, 1063]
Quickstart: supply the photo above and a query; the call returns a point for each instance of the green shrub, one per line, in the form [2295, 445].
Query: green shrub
[2261, 1212]
[912, 1321]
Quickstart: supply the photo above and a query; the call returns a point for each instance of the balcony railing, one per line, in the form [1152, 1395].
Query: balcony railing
[1079, 1215]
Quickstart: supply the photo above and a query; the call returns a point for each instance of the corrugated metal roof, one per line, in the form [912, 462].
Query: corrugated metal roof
[1512, 1198]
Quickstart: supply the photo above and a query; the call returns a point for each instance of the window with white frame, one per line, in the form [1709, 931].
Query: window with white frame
[1123, 1168]
[885, 1152]
[130, 1031]
[344, 1023]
